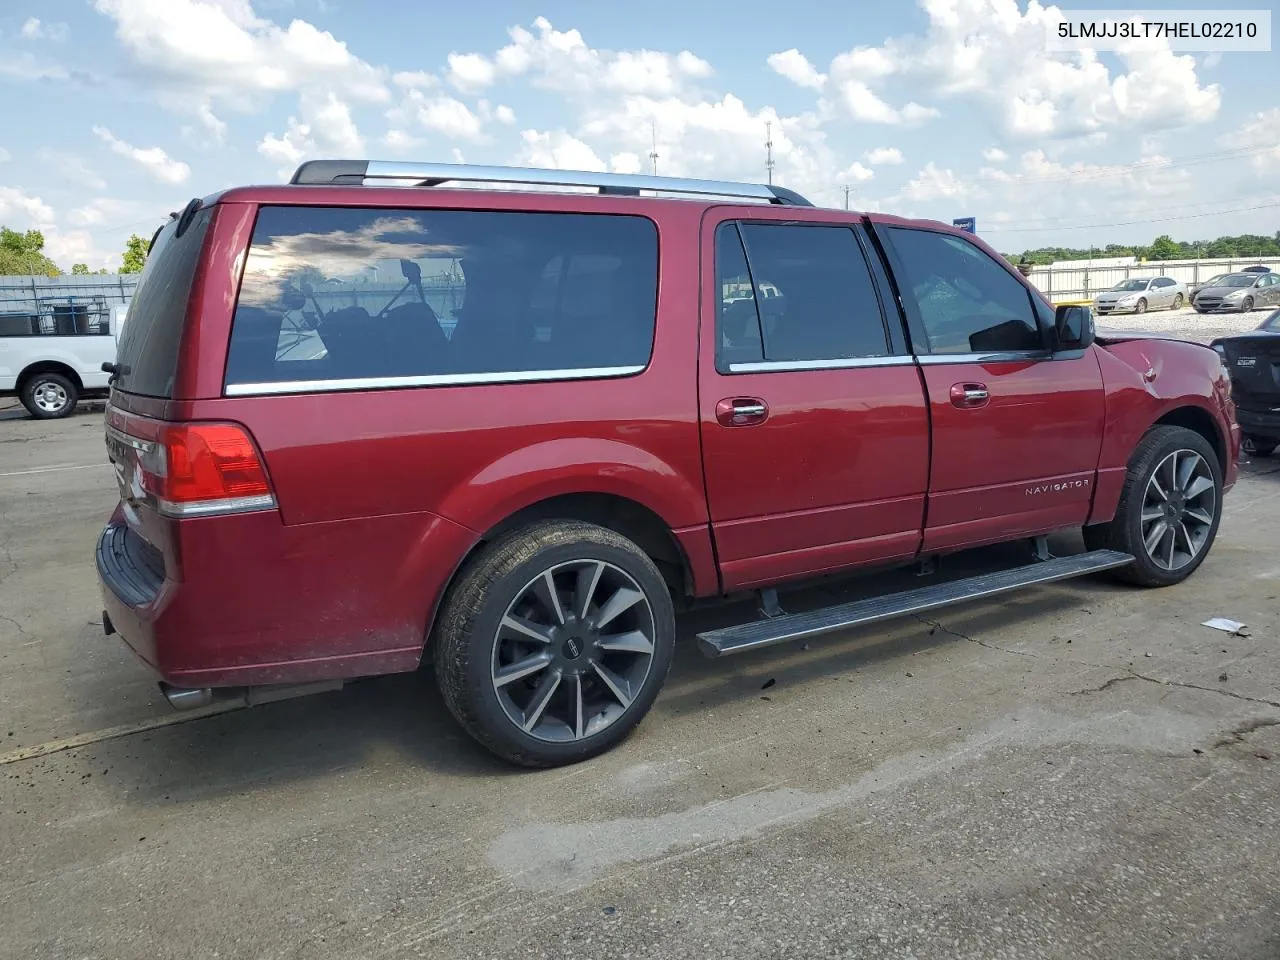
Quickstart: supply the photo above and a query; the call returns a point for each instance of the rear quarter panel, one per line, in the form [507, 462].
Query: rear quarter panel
[1145, 380]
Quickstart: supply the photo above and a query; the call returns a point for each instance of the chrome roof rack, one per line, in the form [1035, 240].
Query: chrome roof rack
[359, 172]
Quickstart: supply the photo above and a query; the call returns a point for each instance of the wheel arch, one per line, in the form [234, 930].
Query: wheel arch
[1201, 421]
[49, 366]
[623, 515]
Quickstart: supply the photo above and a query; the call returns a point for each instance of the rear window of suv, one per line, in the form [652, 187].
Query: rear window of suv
[147, 354]
[351, 298]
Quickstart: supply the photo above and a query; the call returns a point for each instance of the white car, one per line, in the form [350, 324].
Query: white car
[52, 359]
[1139, 294]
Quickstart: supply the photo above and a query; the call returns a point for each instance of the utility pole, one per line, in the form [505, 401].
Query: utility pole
[768, 146]
[653, 155]
[846, 196]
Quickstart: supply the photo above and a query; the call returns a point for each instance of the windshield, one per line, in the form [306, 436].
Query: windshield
[1131, 285]
[1238, 280]
[1271, 323]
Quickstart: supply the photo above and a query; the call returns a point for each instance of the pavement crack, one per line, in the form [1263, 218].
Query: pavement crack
[22, 631]
[1131, 675]
[935, 625]
[1238, 733]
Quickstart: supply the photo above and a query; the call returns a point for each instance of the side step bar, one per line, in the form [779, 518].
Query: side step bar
[800, 626]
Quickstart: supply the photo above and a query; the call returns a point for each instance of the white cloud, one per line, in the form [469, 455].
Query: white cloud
[152, 159]
[992, 52]
[504, 114]
[1262, 131]
[470, 71]
[994, 155]
[934, 183]
[559, 151]
[795, 66]
[202, 53]
[883, 156]
[30, 210]
[412, 79]
[36, 29]
[71, 168]
[856, 173]
[562, 61]
[440, 114]
[324, 129]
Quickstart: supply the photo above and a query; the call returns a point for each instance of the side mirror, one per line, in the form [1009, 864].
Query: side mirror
[1072, 327]
[411, 271]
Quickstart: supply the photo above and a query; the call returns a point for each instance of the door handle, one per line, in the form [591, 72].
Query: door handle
[741, 411]
[969, 395]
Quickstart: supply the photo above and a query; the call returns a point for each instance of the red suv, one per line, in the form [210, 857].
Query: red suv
[365, 418]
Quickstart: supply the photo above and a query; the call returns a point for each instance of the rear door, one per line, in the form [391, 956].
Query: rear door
[814, 427]
[1016, 430]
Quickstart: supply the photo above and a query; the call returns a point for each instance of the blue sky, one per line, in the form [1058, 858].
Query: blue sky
[118, 111]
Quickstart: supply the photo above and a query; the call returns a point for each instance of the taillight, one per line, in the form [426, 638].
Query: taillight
[199, 469]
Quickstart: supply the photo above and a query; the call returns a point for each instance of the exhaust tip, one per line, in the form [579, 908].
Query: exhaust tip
[186, 698]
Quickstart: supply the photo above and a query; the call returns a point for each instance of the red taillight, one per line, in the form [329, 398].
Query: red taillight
[197, 469]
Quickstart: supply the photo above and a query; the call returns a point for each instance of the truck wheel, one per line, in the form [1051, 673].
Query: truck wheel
[1169, 509]
[554, 642]
[49, 396]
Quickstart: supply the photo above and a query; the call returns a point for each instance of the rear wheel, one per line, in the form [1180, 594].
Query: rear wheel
[554, 643]
[1169, 510]
[1260, 446]
[1177, 302]
[49, 396]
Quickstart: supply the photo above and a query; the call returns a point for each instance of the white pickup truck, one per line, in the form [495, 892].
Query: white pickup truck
[52, 359]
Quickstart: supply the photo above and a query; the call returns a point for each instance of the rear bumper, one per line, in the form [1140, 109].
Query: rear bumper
[1259, 422]
[246, 600]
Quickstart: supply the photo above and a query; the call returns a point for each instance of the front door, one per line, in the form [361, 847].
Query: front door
[1017, 431]
[815, 433]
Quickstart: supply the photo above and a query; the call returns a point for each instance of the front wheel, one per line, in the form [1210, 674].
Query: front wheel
[49, 396]
[554, 643]
[1141, 307]
[1246, 305]
[1177, 302]
[1169, 510]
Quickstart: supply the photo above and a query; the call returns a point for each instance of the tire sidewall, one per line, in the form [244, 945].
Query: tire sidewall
[484, 702]
[1181, 439]
[1141, 307]
[34, 383]
[1178, 302]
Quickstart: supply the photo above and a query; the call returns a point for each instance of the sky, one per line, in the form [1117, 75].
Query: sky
[119, 111]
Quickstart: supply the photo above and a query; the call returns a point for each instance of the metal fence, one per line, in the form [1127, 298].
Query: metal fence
[1085, 280]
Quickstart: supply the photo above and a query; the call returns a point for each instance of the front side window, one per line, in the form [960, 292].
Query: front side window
[962, 300]
[796, 292]
[353, 294]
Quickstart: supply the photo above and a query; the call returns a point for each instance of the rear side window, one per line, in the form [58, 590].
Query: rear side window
[960, 298]
[795, 292]
[147, 354]
[338, 298]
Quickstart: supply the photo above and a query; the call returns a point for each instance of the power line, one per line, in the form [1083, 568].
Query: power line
[1135, 223]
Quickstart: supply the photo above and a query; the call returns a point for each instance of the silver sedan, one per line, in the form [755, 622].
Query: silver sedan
[1140, 294]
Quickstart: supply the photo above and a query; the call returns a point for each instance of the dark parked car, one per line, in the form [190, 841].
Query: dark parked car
[357, 426]
[1253, 360]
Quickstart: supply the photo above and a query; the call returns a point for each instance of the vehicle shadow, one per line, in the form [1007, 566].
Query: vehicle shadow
[382, 726]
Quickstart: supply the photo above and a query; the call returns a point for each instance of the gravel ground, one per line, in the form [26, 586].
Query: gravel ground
[1185, 324]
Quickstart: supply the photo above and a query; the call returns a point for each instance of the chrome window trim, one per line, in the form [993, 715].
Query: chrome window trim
[930, 359]
[791, 366]
[427, 380]
[206, 508]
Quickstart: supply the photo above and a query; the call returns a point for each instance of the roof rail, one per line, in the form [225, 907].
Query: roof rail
[357, 172]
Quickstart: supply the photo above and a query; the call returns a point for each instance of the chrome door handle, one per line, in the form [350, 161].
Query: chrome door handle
[969, 395]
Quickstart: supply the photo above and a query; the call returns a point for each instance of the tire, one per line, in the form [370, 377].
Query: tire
[1246, 305]
[1141, 307]
[1177, 302]
[477, 654]
[49, 396]
[1260, 446]
[1128, 532]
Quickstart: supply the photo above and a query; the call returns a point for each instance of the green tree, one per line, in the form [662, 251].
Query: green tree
[21, 254]
[135, 255]
[1163, 248]
[79, 269]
